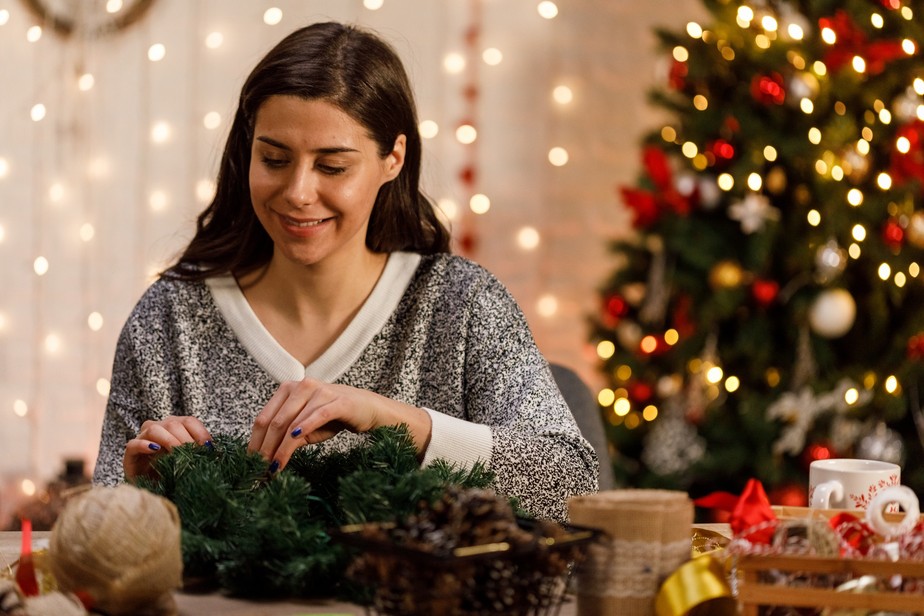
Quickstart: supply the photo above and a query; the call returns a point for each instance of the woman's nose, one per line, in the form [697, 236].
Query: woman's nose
[301, 187]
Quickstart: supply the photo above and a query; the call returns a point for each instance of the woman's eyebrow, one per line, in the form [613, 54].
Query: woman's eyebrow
[282, 146]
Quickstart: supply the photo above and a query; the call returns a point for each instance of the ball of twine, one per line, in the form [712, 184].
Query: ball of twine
[121, 545]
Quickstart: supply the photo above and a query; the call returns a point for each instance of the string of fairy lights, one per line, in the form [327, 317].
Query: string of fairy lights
[833, 312]
[72, 192]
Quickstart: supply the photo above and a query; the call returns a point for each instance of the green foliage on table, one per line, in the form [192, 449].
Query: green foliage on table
[268, 535]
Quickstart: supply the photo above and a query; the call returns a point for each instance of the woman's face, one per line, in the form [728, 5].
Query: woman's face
[314, 177]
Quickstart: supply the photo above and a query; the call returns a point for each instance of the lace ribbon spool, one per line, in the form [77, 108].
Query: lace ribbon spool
[647, 538]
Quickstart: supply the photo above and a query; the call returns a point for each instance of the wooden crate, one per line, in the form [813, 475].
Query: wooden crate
[752, 593]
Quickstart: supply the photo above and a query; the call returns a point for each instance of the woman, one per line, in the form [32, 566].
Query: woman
[318, 299]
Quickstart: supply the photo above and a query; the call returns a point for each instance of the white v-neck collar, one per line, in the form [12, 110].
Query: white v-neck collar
[343, 352]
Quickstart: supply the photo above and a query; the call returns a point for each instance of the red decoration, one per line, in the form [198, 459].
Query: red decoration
[640, 391]
[467, 175]
[768, 89]
[468, 242]
[893, 234]
[472, 34]
[816, 451]
[765, 291]
[722, 149]
[916, 346]
[751, 514]
[683, 323]
[677, 77]
[892, 5]
[720, 153]
[616, 306]
[851, 41]
[25, 572]
[731, 125]
[790, 495]
[648, 206]
[854, 532]
[909, 165]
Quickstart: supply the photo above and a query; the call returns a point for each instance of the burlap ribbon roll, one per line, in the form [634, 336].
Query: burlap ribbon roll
[121, 546]
[647, 536]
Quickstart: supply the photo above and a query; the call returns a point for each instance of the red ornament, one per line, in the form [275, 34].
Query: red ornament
[648, 205]
[683, 322]
[677, 77]
[856, 535]
[765, 291]
[905, 166]
[720, 152]
[616, 306]
[468, 242]
[731, 125]
[851, 42]
[893, 234]
[915, 349]
[790, 495]
[768, 89]
[817, 451]
[467, 175]
[640, 391]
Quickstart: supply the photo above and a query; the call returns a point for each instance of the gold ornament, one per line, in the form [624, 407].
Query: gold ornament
[634, 292]
[725, 275]
[776, 180]
[915, 231]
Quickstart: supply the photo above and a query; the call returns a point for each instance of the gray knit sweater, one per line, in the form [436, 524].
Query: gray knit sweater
[438, 332]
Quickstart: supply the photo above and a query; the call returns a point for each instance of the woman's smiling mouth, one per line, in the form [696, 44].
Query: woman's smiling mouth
[303, 224]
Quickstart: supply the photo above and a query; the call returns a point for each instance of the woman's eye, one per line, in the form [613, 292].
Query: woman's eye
[274, 162]
[331, 170]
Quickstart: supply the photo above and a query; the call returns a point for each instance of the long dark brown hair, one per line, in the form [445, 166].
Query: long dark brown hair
[360, 74]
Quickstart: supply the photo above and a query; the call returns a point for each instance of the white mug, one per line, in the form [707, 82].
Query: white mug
[846, 483]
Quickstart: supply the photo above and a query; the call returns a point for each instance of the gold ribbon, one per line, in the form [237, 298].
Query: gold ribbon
[699, 586]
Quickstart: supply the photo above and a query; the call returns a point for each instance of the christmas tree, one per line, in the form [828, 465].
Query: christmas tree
[768, 308]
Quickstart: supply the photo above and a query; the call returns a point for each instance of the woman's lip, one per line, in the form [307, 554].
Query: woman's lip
[300, 223]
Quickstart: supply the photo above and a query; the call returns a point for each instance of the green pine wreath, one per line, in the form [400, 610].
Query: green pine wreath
[257, 534]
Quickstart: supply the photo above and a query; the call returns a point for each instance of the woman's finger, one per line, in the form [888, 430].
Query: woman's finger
[139, 453]
[274, 421]
[265, 416]
[302, 430]
[184, 429]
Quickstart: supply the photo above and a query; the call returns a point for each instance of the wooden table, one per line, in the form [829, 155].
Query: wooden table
[214, 603]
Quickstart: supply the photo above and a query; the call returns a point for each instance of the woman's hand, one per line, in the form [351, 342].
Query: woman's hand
[311, 411]
[157, 436]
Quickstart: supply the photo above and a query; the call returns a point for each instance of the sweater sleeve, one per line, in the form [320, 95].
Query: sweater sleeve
[538, 453]
[121, 422]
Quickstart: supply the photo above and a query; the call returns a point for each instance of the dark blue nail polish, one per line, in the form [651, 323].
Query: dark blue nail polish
[153, 446]
[274, 466]
[209, 444]
[296, 431]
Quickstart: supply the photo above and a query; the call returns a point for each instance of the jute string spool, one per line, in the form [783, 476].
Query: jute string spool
[120, 545]
[647, 536]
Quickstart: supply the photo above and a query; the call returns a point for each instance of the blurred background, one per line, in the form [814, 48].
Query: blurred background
[112, 118]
